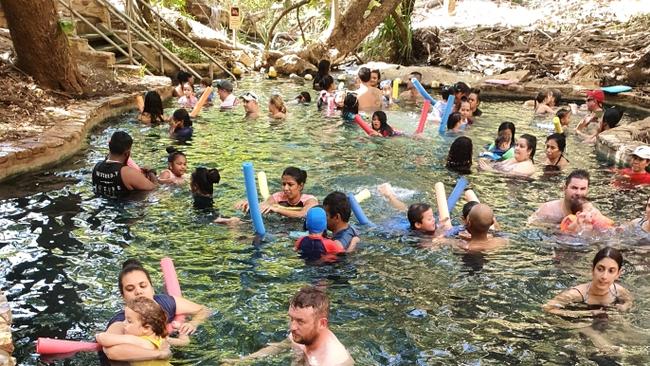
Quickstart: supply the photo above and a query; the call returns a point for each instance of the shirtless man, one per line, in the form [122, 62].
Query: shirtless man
[412, 95]
[369, 97]
[576, 186]
[310, 338]
[479, 221]
[594, 105]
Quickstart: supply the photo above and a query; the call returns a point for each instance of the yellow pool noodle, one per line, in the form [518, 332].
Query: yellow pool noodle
[396, 83]
[264, 185]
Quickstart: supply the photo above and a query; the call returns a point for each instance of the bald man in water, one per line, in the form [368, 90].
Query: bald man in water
[479, 220]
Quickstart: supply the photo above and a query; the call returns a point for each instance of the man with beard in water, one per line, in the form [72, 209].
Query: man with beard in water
[312, 341]
[576, 187]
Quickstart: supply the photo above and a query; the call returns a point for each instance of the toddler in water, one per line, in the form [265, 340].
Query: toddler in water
[314, 246]
[583, 219]
[465, 111]
[202, 187]
[501, 146]
[565, 117]
[176, 167]
[145, 327]
[387, 92]
[188, 100]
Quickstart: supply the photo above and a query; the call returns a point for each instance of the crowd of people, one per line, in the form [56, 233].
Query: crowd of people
[140, 332]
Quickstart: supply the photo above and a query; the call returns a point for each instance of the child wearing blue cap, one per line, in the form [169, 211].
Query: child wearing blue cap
[314, 246]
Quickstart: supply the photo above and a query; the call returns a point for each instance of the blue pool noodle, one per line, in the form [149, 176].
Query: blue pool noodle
[251, 195]
[358, 212]
[445, 115]
[454, 196]
[422, 91]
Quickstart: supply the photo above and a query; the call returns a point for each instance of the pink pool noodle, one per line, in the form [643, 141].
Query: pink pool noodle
[423, 117]
[171, 282]
[363, 124]
[48, 346]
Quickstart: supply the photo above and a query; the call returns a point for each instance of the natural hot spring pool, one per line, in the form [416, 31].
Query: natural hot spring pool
[61, 248]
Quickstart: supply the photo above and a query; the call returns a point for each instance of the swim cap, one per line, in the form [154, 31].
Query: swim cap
[316, 220]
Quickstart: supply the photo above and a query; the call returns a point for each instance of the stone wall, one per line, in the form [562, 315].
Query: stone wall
[617, 144]
[6, 342]
[68, 135]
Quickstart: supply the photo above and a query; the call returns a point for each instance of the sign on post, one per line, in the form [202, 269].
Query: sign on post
[234, 23]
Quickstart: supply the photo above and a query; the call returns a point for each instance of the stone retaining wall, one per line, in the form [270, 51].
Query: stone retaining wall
[617, 144]
[68, 135]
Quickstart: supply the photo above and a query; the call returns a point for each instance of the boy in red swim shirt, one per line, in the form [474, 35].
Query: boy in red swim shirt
[639, 161]
[314, 246]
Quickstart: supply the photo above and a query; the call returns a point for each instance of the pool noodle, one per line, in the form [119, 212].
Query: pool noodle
[251, 195]
[201, 102]
[358, 212]
[470, 196]
[139, 101]
[48, 346]
[363, 124]
[396, 83]
[264, 185]
[557, 125]
[171, 282]
[445, 115]
[454, 196]
[423, 117]
[422, 91]
[362, 196]
[441, 199]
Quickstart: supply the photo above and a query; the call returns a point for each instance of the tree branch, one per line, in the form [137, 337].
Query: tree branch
[275, 23]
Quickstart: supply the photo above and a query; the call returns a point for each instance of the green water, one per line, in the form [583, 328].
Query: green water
[61, 248]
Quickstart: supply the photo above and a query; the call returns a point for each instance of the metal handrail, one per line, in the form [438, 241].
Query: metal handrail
[106, 38]
[148, 37]
[188, 39]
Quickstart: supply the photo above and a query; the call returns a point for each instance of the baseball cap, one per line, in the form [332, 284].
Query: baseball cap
[248, 96]
[642, 151]
[316, 220]
[598, 95]
[225, 85]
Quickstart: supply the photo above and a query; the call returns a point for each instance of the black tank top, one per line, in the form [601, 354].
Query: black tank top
[107, 179]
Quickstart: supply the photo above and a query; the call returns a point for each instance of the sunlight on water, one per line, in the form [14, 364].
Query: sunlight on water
[392, 303]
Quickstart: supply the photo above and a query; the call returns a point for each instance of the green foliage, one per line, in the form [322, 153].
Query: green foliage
[389, 43]
[187, 54]
[67, 26]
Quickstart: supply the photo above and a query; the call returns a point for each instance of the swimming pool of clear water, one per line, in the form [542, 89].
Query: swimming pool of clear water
[393, 303]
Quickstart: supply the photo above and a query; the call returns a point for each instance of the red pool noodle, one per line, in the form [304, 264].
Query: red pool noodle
[48, 346]
[423, 117]
[171, 282]
[363, 124]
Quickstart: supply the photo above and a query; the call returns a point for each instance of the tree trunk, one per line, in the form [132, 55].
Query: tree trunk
[40, 44]
[351, 29]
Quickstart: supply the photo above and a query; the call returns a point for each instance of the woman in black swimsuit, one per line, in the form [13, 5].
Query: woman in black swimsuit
[555, 159]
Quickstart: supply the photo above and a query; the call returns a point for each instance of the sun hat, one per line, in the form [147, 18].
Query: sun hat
[642, 151]
[598, 95]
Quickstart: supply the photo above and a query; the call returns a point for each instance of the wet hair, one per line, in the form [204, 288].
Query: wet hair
[576, 205]
[612, 116]
[130, 265]
[577, 174]
[338, 203]
[415, 213]
[560, 139]
[376, 71]
[298, 174]
[154, 106]
[541, 95]
[277, 101]
[312, 297]
[608, 252]
[173, 153]
[461, 87]
[531, 141]
[206, 81]
[500, 139]
[203, 180]
[467, 207]
[350, 104]
[323, 68]
[446, 91]
[417, 75]
[459, 158]
[364, 74]
[120, 142]
[557, 95]
[305, 96]
[182, 115]
[183, 77]
[508, 126]
[453, 120]
[562, 112]
[476, 91]
[383, 123]
[326, 82]
[150, 314]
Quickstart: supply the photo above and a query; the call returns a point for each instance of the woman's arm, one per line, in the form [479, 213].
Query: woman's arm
[288, 212]
[627, 300]
[570, 296]
[128, 352]
[199, 314]
[109, 339]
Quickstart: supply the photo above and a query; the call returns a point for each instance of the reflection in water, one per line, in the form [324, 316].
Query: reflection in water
[61, 248]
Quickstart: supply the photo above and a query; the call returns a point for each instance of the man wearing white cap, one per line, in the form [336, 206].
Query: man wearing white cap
[251, 105]
[639, 161]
